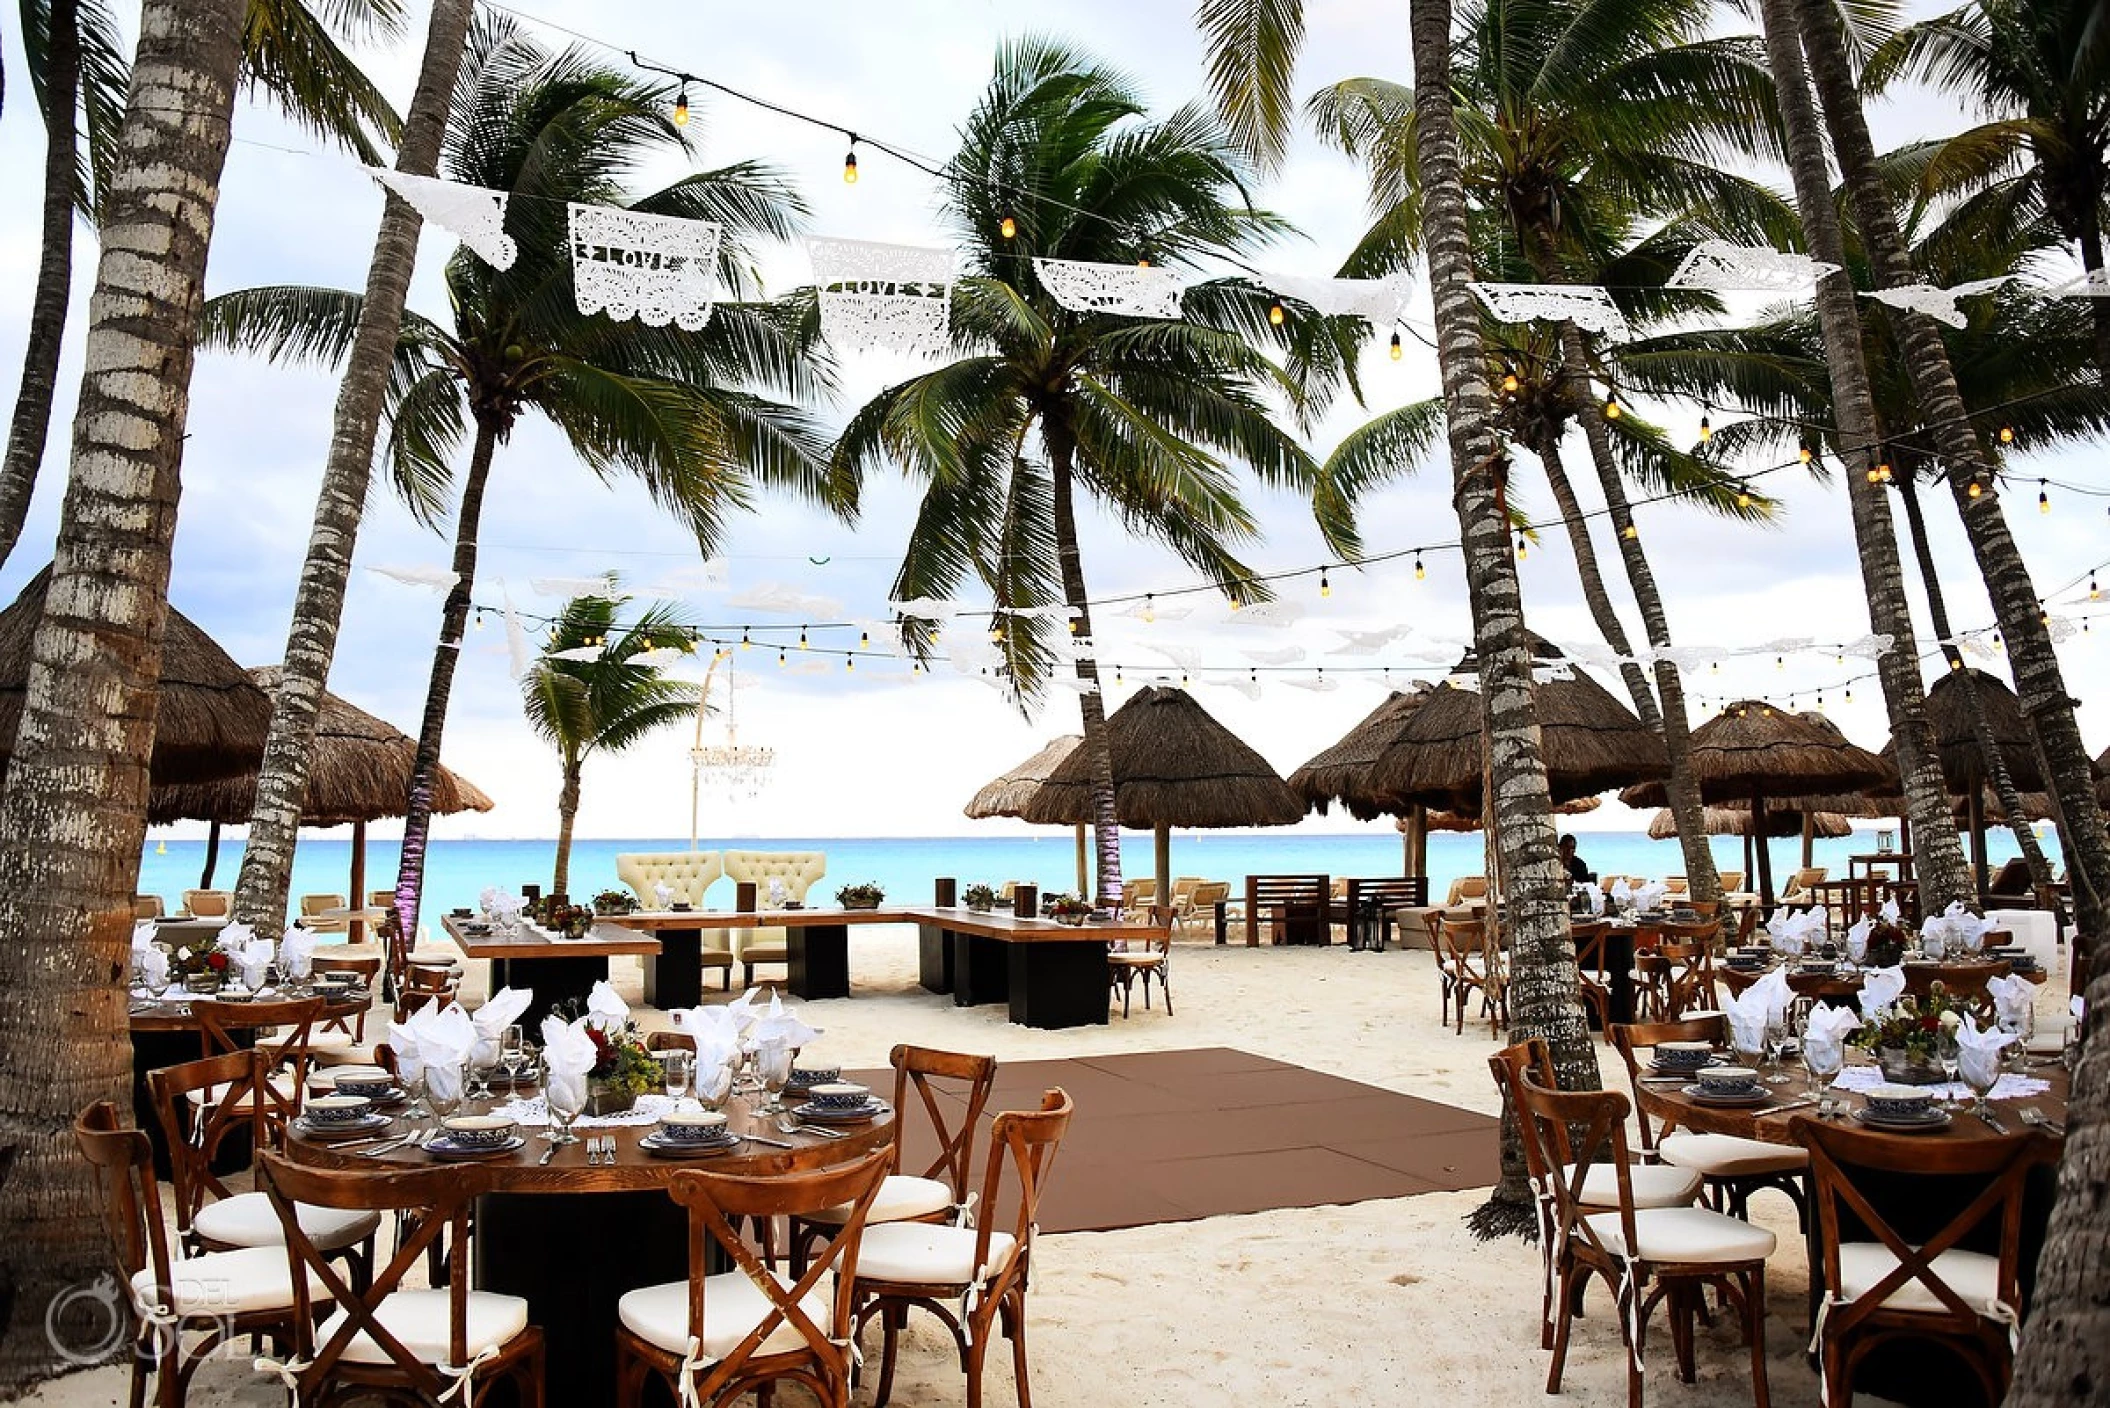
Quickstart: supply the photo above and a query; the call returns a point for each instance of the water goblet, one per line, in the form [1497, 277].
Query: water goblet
[445, 1086]
[417, 1109]
[1777, 1050]
[512, 1053]
[1823, 1059]
[678, 1066]
[1947, 1051]
[714, 1085]
[773, 1065]
[566, 1100]
[157, 982]
[1981, 1073]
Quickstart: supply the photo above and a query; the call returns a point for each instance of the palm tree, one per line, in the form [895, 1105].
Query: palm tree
[77, 66]
[603, 704]
[2039, 680]
[2039, 73]
[318, 603]
[1044, 403]
[689, 414]
[1595, 152]
[79, 768]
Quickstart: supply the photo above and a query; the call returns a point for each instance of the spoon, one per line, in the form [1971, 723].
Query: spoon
[792, 1125]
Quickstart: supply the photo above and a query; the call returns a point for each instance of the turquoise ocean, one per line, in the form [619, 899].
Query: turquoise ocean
[458, 870]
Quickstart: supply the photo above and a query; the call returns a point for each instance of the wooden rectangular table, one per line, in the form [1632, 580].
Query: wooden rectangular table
[1050, 974]
[816, 946]
[557, 968]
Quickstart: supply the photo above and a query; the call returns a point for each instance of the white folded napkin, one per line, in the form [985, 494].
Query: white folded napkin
[1879, 988]
[745, 1012]
[1890, 913]
[1621, 894]
[233, 938]
[153, 966]
[143, 933]
[716, 1032]
[604, 1009]
[569, 1054]
[500, 1011]
[664, 893]
[2012, 1000]
[1857, 939]
[1824, 1036]
[254, 959]
[1784, 933]
[778, 1024]
[296, 952]
[777, 893]
[1650, 896]
[444, 1042]
[1978, 1052]
[1749, 1012]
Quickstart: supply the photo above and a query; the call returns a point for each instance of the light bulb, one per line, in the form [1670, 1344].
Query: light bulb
[1849, 696]
[1632, 531]
[1325, 587]
[1975, 489]
[744, 641]
[1883, 472]
[782, 660]
[681, 107]
[1509, 380]
[850, 164]
[2007, 435]
[864, 640]
[1009, 229]
[1150, 609]
[1235, 602]
[2093, 593]
[1420, 572]
[1611, 406]
[1804, 453]
[1521, 551]
[1743, 496]
[479, 620]
[1117, 674]
[802, 637]
[1706, 430]
[1398, 351]
[1275, 314]
[1142, 264]
[849, 662]
[2043, 499]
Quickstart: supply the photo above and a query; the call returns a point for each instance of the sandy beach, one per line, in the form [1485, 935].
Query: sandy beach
[1381, 1302]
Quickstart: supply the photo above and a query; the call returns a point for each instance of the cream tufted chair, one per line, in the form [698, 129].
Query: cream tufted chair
[797, 871]
[689, 874]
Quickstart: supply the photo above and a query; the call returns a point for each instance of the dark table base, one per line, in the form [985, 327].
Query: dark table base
[556, 981]
[1058, 985]
[934, 957]
[818, 956]
[674, 975]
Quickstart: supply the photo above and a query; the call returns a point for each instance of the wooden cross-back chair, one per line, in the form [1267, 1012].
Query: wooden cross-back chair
[1145, 959]
[1593, 976]
[1469, 963]
[383, 1337]
[1734, 1167]
[712, 1338]
[941, 1192]
[1679, 979]
[985, 1272]
[1882, 1286]
[221, 1025]
[220, 1296]
[362, 970]
[1646, 1256]
[425, 984]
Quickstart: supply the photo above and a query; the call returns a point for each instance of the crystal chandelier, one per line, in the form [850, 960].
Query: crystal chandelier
[739, 770]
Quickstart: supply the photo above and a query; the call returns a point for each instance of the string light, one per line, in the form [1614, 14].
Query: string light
[1520, 547]
[1398, 349]
[1150, 610]
[1631, 532]
[1509, 380]
[850, 163]
[1325, 586]
[1743, 495]
[782, 659]
[1804, 453]
[849, 661]
[681, 107]
[744, 641]
[2043, 498]
[1612, 409]
[479, 618]
[1975, 488]
[2093, 594]
[1420, 572]
[1009, 229]
[802, 637]
[2007, 435]
[864, 640]
[1235, 602]
[1275, 314]
[1849, 694]
[1706, 428]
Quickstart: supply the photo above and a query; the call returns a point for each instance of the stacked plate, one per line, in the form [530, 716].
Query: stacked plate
[448, 1146]
[340, 1129]
[818, 1113]
[660, 1146]
[1926, 1122]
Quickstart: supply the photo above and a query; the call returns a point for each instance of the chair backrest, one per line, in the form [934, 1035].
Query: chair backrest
[218, 1022]
[1626, 1036]
[1509, 1065]
[1675, 885]
[1389, 891]
[716, 1204]
[365, 966]
[440, 1197]
[208, 904]
[675, 1041]
[1688, 973]
[798, 870]
[1027, 1141]
[1732, 880]
[427, 984]
[123, 1161]
[146, 907]
[194, 1132]
[1210, 893]
[929, 1072]
[1589, 936]
[1461, 939]
[1138, 892]
[1575, 1130]
[2003, 1163]
[2013, 878]
[312, 905]
[383, 899]
[1806, 877]
[687, 873]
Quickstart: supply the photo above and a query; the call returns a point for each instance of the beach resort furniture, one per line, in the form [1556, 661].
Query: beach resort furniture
[363, 968]
[425, 985]
[1137, 896]
[559, 970]
[441, 1343]
[1468, 962]
[312, 918]
[1880, 1283]
[146, 907]
[1376, 901]
[1646, 1256]
[2013, 887]
[2035, 930]
[1048, 974]
[1466, 889]
[1294, 907]
[1142, 959]
[674, 975]
[941, 1082]
[1204, 906]
[903, 1265]
[797, 872]
[1593, 975]
[168, 1295]
[746, 1328]
[208, 904]
[1801, 885]
[1734, 1166]
[689, 874]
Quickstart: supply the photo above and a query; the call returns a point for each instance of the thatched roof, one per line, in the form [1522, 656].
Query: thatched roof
[1460, 821]
[1007, 795]
[1753, 747]
[1174, 765]
[1589, 740]
[1956, 741]
[358, 770]
[1342, 773]
[1730, 819]
[211, 719]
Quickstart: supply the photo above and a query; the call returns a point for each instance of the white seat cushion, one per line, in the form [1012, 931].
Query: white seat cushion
[1974, 1276]
[1654, 1185]
[1726, 1155]
[927, 1253]
[214, 1094]
[1684, 1234]
[225, 1283]
[420, 1320]
[732, 1307]
[900, 1197]
[247, 1220]
[319, 1043]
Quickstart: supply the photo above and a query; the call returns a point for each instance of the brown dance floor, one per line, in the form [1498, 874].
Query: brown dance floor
[1170, 1136]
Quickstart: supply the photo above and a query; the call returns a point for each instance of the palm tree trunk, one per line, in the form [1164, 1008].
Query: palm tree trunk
[1988, 747]
[1543, 993]
[79, 771]
[2016, 606]
[318, 607]
[1937, 857]
[567, 813]
[1091, 705]
[2091, 242]
[30, 429]
[454, 619]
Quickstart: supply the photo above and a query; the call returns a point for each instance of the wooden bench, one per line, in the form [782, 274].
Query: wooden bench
[1388, 893]
[1295, 904]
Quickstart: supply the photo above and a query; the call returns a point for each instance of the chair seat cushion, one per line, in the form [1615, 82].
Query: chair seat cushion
[319, 1043]
[1975, 1276]
[214, 1094]
[1728, 1156]
[225, 1283]
[1654, 1185]
[927, 1254]
[1142, 959]
[732, 1307]
[420, 1320]
[247, 1220]
[900, 1197]
[1684, 1235]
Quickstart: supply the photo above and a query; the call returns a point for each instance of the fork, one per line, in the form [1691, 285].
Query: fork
[792, 1124]
[2035, 1119]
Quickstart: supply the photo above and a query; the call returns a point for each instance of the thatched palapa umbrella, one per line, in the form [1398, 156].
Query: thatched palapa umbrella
[1174, 765]
[1964, 767]
[1752, 752]
[1341, 774]
[210, 719]
[1008, 793]
[1734, 819]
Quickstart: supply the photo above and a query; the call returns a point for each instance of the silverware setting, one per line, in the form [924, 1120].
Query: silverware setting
[792, 1124]
[548, 1154]
[2035, 1119]
[772, 1143]
[1992, 1123]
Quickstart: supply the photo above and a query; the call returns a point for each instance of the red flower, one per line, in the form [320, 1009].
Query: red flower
[1930, 1023]
[216, 961]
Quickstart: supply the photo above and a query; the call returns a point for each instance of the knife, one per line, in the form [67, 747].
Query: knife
[1789, 1105]
[1994, 1125]
[773, 1143]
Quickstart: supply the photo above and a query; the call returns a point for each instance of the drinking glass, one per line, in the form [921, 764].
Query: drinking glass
[773, 1065]
[1776, 1051]
[678, 1065]
[2020, 1026]
[445, 1094]
[1946, 1051]
[1981, 1075]
[512, 1053]
[566, 1100]
[714, 1086]
[157, 983]
[1823, 1059]
[418, 1109]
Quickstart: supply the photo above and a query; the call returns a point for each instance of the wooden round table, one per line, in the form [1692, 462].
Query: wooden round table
[574, 1239]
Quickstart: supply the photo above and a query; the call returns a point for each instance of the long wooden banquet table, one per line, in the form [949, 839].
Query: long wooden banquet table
[573, 1239]
[559, 969]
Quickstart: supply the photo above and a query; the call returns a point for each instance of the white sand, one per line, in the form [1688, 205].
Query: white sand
[1389, 1302]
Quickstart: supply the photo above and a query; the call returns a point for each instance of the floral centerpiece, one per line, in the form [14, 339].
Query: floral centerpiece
[862, 896]
[1066, 908]
[615, 902]
[199, 968]
[574, 921]
[1907, 1038]
[622, 1068]
[979, 898]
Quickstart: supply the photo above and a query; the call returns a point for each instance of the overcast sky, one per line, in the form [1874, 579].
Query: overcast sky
[875, 751]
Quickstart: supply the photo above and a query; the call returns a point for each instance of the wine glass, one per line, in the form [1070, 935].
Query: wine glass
[1947, 1052]
[444, 1087]
[1823, 1059]
[773, 1066]
[1777, 1050]
[566, 1100]
[1981, 1073]
[678, 1065]
[417, 1109]
[512, 1053]
[714, 1086]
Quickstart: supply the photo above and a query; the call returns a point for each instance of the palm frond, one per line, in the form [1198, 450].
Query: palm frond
[1252, 57]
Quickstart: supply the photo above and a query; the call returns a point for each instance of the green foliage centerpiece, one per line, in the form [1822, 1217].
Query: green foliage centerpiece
[861, 896]
[1908, 1038]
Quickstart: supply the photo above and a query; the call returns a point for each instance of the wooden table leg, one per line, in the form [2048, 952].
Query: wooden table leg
[674, 976]
[934, 955]
[819, 960]
[1058, 985]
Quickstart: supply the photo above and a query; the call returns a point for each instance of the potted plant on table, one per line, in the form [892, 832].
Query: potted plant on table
[1066, 908]
[1908, 1037]
[615, 902]
[862, 896]
[622, 1069]
[980, 898]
